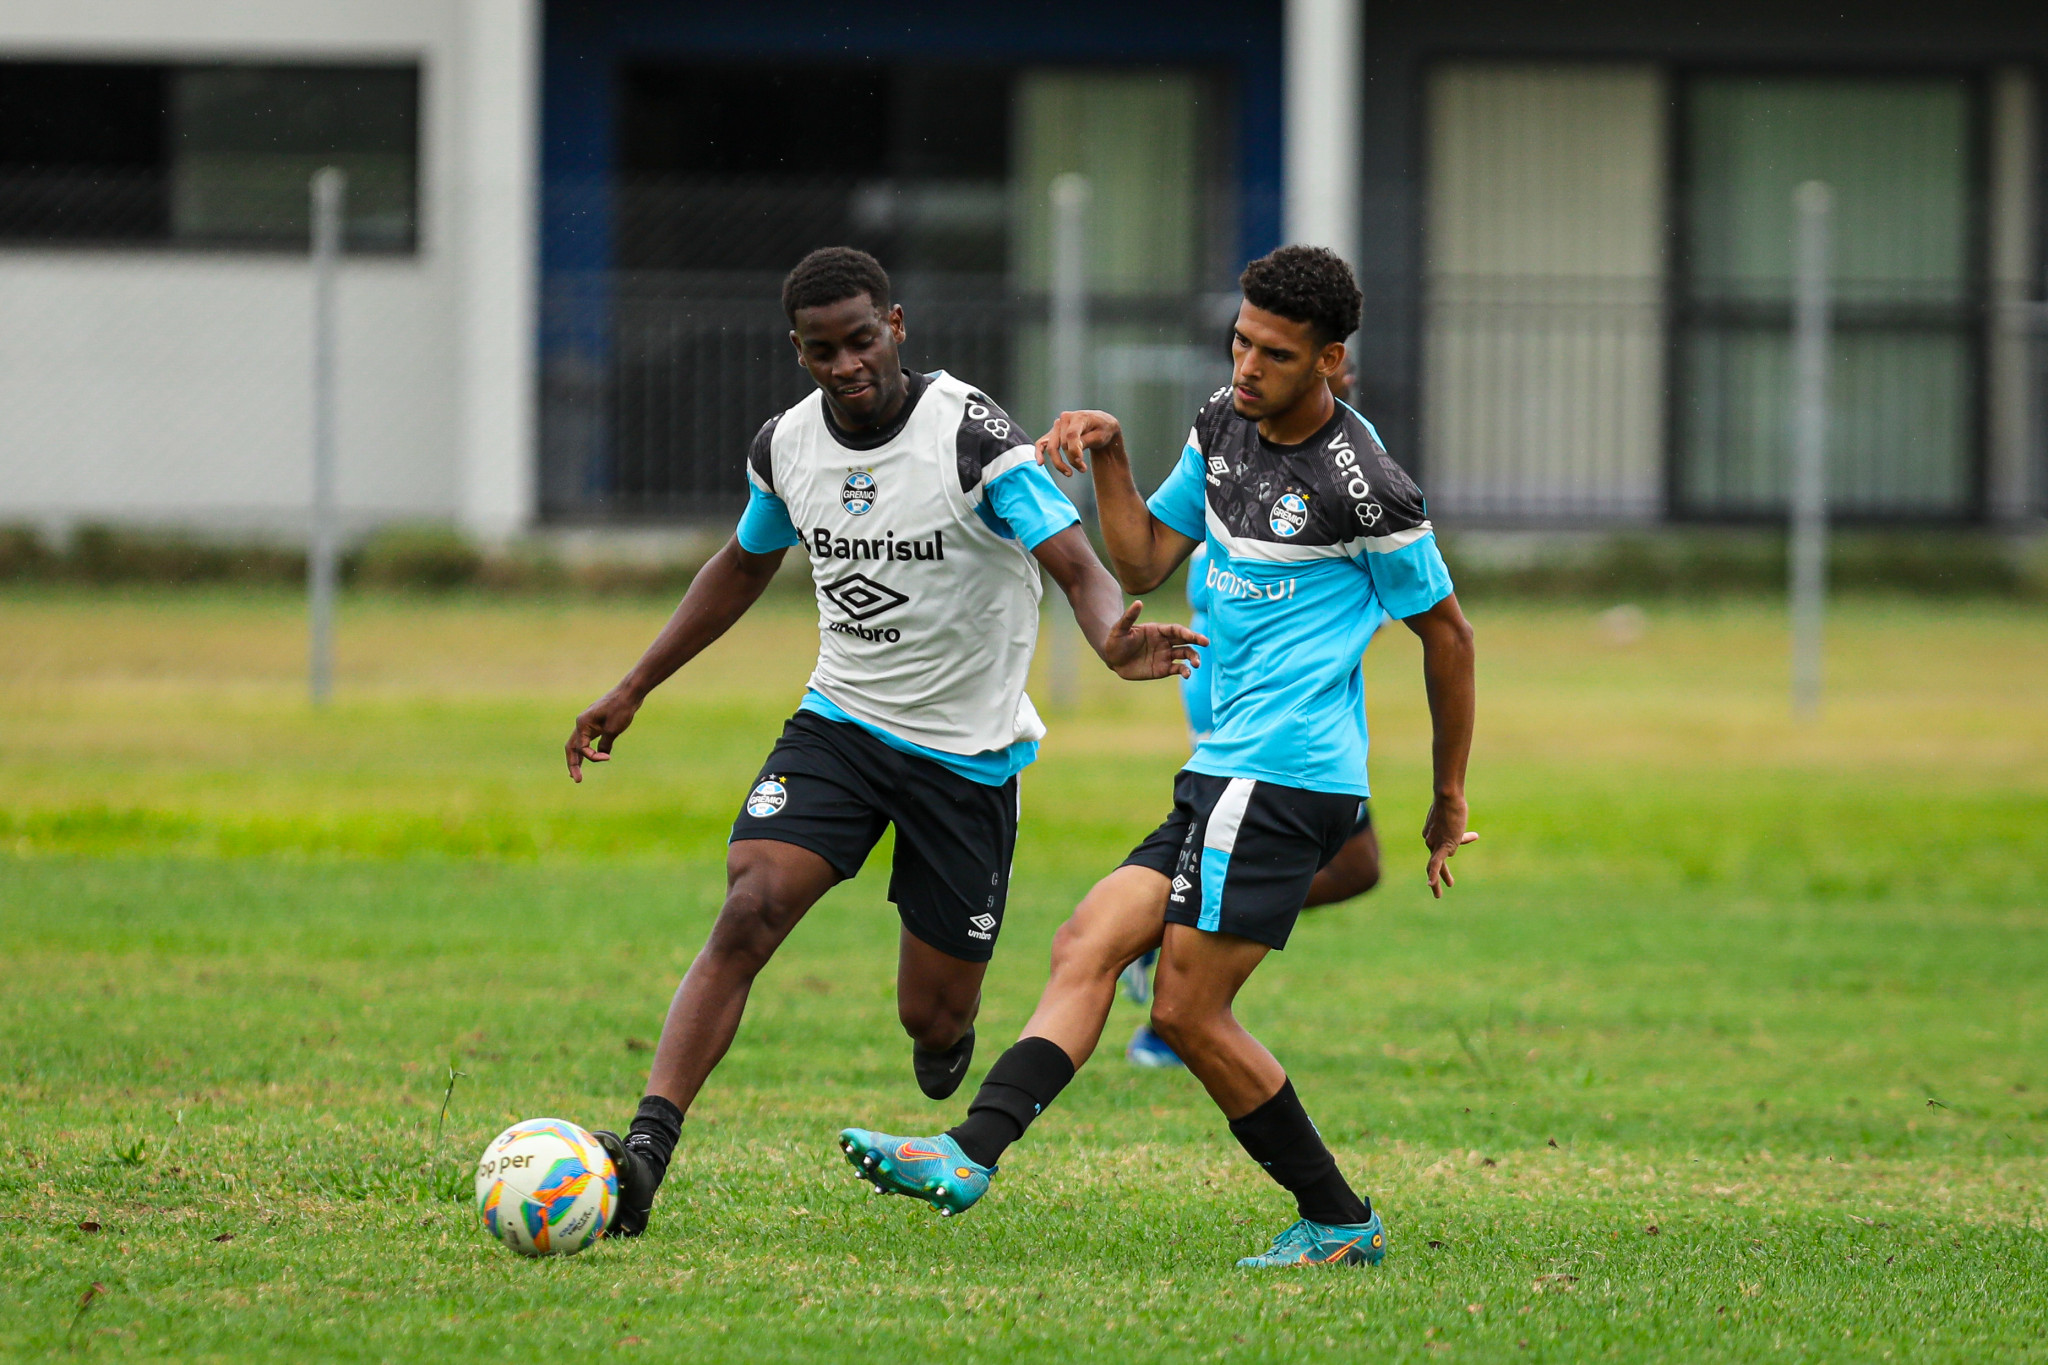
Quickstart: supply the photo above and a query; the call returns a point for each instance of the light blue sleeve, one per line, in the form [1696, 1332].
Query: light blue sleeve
[1027, 505]
[1180, 499]
[765, 526]
[1409, 580]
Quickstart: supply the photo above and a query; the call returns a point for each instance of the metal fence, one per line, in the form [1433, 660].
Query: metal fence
[1574, 401]
[653, 384]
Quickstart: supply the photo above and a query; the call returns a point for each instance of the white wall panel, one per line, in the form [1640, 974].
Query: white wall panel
[1545, 269]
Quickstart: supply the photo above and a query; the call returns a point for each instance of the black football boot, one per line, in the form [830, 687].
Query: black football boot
[640, 1173]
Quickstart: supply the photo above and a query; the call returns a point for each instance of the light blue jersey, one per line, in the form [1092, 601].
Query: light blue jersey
[1309, 548]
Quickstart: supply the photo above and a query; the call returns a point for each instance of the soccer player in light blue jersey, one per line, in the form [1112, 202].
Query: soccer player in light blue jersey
[1313, 533]
[1353, 872]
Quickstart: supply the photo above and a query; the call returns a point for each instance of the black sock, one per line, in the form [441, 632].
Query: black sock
[1016, 1090]
[1280, 1138]
[656, 1129]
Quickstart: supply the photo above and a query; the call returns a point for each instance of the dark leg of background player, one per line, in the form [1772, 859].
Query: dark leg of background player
[1353, 872]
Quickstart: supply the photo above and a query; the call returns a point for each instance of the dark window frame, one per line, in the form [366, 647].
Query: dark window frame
[156, 184]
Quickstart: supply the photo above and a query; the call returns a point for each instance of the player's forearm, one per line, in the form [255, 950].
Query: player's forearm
[1449, 676]
[1088, 588]
[728, 584]
[1129, 530]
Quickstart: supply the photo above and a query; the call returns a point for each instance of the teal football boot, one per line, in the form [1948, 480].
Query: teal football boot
[933, 1169]
[1309, 1243]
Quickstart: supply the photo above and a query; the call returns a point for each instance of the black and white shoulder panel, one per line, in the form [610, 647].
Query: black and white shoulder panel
[761, 456]
[987, 444]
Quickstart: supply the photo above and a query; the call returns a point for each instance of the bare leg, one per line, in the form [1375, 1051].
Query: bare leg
[1199, 977]
[769, 886]
[1353, 872]
[937, 994]
[1118, 920]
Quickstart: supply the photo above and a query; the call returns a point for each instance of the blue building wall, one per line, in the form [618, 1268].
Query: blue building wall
[587, 40]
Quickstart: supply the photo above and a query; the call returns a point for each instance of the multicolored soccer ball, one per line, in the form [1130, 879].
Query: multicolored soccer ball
[546, 1188]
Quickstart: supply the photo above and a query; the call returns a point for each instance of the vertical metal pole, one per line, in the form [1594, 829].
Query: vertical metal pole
[1810, 341]
[1068, 334]
[330, 188]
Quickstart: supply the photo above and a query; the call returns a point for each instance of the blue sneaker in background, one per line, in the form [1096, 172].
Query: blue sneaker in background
[1309, 1243]
[1149, 1049]
[933, 1169]
[1137, 979]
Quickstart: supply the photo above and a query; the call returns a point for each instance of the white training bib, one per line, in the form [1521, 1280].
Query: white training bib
[927, 615]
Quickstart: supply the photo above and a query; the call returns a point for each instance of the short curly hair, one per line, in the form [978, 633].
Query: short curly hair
[832, 273]
[1308, 284]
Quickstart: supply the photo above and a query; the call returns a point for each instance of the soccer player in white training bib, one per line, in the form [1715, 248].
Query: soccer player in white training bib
[1312, 533]
[926, 516]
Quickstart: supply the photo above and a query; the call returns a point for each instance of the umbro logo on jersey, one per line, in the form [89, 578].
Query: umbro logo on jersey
[862, 598]
[857, 494]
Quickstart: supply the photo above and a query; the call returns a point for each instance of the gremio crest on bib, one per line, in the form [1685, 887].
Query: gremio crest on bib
[857, 494]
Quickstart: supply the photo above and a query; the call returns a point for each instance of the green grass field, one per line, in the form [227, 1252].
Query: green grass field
[1731, 1043]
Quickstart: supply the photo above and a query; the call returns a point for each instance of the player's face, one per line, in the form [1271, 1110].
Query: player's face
[1276, 362]
[850, 350]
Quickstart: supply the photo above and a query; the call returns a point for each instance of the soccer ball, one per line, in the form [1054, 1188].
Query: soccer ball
[545, 1188]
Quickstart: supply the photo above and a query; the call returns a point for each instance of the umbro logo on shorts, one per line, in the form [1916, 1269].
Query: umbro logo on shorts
[1181, 886]
[983, 926]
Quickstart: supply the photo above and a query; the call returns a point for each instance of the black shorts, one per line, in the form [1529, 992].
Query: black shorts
[1242, 853]
[833, 788]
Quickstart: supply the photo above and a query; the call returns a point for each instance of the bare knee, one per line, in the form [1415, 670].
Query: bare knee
[750, 926]
[1181, 1026]
[1079, 949]
[935, 1023]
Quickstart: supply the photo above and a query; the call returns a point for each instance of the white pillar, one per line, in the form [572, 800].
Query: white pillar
[496, 241]
[1324, 115]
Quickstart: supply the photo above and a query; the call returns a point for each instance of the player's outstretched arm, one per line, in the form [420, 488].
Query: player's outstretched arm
[1162, 650]
[1447, 672]
[1142, 548]
[732, 581]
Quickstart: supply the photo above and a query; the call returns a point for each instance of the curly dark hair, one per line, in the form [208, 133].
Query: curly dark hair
[1308, 284]
[832, 273]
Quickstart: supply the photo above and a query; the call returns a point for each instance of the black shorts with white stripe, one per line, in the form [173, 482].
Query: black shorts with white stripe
[1241, 853]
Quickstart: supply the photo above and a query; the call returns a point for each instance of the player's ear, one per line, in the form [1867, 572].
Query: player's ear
[1331, 361]
[797, 342]
[896, 323]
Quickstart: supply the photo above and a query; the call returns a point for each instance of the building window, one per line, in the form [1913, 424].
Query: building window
[125, 153]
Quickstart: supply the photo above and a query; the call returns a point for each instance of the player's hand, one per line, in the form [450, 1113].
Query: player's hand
[1161, 650]
[1075, 434]
[604, 720]
[1445, 833]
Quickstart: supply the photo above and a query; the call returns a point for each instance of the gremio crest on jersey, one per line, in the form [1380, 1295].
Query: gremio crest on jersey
[1290, 514]
[857, 494]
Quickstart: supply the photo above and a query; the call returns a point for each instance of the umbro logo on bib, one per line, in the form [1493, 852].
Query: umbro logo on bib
[861, 597]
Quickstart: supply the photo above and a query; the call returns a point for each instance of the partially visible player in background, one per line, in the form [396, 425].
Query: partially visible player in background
[1353, 872]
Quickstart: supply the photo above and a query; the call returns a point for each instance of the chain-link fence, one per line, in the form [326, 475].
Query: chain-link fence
[654, 383]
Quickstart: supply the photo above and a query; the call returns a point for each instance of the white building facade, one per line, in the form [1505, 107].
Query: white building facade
[156, 314]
